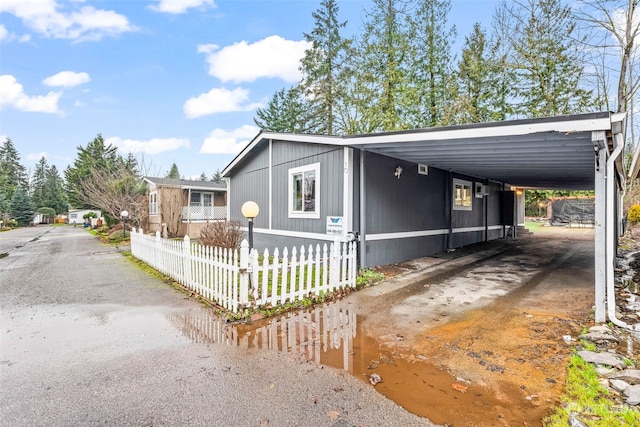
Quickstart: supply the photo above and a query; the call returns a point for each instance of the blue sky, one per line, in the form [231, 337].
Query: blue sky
[169, 80]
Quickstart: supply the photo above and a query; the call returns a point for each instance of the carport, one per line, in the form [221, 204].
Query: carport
[574, 152]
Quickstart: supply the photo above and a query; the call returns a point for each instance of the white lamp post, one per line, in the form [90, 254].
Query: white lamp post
[250, 210]
[124, 215]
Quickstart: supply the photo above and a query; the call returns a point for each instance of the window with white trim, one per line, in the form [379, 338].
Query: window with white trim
[304, 191]
[462, 195]
[153, 204]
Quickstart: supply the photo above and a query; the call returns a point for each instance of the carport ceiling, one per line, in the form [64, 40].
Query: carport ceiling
[550, 153]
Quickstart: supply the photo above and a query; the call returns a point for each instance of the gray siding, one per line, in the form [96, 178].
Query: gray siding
[412, 203]
[287, 155]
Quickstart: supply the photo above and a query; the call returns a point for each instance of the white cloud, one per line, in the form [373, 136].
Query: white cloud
[81, 23]
[12, 95]
[180, 6]
[218, 100]
[152, 146]
[67, 79]
[272, 57]
[35, 157]
[4, 34]
[221, 141]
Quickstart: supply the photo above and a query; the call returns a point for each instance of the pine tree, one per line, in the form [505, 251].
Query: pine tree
[430, 62]
[217, 177]
[54, 195]
[323, 67]
[550, 70]
[286, 111]
[381, 80]
[95, 156]
[173, 172]
[38, 182]
[12, 173]
[21, 208]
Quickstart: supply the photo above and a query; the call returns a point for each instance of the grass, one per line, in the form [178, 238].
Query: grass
[586, 399]
[533, 226]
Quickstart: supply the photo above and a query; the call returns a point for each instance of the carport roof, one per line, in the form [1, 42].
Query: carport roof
[552, 153]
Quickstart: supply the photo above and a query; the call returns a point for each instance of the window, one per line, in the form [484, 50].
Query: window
[208, 199]
[462, 193]
[304, 191]
[195, 199]
[153, 204]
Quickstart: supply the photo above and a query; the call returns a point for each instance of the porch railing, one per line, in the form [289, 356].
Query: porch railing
[203, 213]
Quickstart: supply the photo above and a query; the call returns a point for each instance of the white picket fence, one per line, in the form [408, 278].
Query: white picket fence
[236, 279]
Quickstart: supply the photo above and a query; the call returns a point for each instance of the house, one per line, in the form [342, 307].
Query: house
[77, 216]
[184, 206]
[410, 194]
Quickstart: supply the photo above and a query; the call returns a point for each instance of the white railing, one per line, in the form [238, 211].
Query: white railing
[203, 213]
[236, 279]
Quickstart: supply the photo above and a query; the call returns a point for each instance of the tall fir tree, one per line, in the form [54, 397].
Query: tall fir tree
[96, 155]
[381, 77]
[430, 62]
[550, 69]
[173, 172]
[38, 182]
[12, 173]
[54, 194]
[324, 68]
[286, 111]
[21, 208]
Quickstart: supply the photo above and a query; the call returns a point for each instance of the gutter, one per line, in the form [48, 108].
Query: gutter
[610, 236]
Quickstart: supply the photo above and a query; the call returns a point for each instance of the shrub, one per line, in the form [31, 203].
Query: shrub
[634, 214]
[222, 234]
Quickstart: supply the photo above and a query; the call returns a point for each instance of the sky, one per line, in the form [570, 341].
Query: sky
[167, 80]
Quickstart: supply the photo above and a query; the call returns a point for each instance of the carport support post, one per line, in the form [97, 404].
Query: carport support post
[600, 235]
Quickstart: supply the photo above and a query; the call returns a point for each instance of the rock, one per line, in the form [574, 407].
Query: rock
[605, 372]
[633, 395]
[618, 385]
[601, 359]
[575, 422]
[600, 329]
[599, 337]
[630, 376]
[374, 379]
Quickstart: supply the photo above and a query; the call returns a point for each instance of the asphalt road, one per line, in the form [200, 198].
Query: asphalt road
[89, 339]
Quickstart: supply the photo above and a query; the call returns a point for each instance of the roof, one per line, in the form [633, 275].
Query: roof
[186, 184]
[551, 152]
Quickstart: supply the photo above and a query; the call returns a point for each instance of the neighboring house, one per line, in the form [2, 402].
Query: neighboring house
[415, 193]
[76, 215]
[184, 206]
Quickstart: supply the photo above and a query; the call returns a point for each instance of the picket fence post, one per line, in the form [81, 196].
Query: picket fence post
[244, 273]
[186, 253]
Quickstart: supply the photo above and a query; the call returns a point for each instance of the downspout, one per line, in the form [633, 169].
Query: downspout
[611, 234]
[363, 216]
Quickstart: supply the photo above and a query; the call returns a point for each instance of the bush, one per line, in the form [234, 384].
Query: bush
[222, 234]
[633, 216]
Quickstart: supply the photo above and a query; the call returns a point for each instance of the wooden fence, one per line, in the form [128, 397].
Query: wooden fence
[237, 279]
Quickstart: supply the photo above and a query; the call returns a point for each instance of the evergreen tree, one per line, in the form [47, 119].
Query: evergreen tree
[472, 104]
[21, 208]
[286, 111]
[217, 177]
[381, 78]
[95, 156]
[501, 66]
[323, 67]
[173, 172]
[430, 62]
[38, 182]
[54, 195]
[12, 173]
[203, 177]
[550, 70]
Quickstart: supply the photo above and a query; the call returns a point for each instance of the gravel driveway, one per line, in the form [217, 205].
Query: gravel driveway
[88, 339]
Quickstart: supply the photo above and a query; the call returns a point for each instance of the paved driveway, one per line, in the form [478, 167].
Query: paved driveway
[87, 338]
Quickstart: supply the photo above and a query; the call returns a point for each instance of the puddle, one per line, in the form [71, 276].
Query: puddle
[332, 335]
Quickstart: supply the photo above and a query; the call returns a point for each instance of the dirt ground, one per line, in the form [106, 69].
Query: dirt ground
[483, 345]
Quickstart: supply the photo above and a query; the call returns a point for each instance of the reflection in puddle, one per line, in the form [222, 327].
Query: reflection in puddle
[320, 333]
